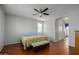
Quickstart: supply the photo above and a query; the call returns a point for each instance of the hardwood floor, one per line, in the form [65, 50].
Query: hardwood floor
[54, 48]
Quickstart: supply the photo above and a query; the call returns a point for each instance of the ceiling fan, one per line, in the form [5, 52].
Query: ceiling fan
[41, 12]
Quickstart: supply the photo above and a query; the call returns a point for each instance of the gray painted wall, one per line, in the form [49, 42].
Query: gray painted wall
[1, 28]
[15, 25]
[49, 28]
[59, 29]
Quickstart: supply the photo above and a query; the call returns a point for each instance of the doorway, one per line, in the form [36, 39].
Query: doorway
[66, 29]
[67, 33]
[62, 29]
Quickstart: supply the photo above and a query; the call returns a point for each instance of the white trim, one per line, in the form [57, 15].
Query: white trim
[52, 40]
[12, 43]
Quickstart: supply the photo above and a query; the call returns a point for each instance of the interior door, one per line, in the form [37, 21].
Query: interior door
[77, 42]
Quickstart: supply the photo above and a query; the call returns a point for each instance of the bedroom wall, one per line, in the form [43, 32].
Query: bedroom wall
[1, 28]
[59, 29]
[15, 26]
[49, 28]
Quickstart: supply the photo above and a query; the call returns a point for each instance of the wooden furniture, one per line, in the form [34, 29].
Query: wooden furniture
[77, 42]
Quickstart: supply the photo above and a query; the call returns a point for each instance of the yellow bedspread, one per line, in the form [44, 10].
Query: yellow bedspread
[28, 40]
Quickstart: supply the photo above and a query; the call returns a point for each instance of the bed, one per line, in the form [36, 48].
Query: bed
[28, 40]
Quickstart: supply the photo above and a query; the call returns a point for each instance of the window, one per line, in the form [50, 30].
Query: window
[40, 27]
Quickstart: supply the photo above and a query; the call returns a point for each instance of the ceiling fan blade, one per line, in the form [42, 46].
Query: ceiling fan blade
[45, 10]
[36, 10]
[45, 13]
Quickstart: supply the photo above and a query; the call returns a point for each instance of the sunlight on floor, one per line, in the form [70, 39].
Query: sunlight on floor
[67, 40]
[67, 45]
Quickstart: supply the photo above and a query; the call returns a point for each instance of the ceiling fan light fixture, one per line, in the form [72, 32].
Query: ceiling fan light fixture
[42, 12]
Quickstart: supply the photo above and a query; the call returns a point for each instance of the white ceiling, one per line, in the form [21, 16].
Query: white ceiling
[26, 10]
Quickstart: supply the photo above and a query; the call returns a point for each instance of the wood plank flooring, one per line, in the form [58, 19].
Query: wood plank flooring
[54, 48]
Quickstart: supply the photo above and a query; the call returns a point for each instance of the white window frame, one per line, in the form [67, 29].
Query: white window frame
[40, 27]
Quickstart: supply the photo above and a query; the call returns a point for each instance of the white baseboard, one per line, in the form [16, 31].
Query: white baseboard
[53, 40]
[12, 43]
